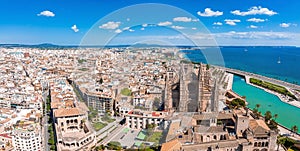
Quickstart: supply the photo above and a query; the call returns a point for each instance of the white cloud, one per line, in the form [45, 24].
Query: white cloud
[142, 28]
[166, 23]
[46, 13]
[118, 31]
[258, 38]
[110, 25]
[232, 22]
[127, 19]
[256, 20]
[285, 25]
[209, 13]
[145, 25]
[253, 26]
[131, 30]
[255, 35]
[178, 27]
[255, 11]
[218, 23]
[182, 19]
[194, 28]
[126, 28]
[74, 28]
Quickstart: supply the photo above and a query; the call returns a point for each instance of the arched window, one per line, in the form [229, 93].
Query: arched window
[255, 144]
[267, 144]
[263, 144]
[215, 137]
[259, 144]
[221, 137]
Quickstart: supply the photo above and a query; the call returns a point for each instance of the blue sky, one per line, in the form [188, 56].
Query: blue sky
[230, 22]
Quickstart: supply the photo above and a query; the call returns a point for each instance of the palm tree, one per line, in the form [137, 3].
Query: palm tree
[280, 141]
[294, 129]
[268, 116]
[257, 106]
[275, 116]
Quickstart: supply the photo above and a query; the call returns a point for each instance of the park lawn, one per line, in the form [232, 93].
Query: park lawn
[273, 87]
[155, 137]
[107, 119]
[126, 92]
[98, 126]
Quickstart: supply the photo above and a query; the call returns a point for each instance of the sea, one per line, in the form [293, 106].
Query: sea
[281, 63]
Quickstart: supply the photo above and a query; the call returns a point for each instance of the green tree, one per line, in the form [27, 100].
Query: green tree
[257, 106]
[280, 141]
[275, 116]
[294, 129]
[268, 116]
[272, 124]
[99, 148]
[126, 92]
[113, 145]
[237, 103]
[150, 129]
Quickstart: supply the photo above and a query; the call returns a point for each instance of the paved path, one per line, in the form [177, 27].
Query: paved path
[45, 119]
[108, 126]
[111, 135]
[264, 78]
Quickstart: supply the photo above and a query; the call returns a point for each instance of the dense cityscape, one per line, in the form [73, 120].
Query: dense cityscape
[149, 75]
[92, 99]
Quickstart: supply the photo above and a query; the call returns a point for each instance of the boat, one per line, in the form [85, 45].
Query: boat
[279, 61]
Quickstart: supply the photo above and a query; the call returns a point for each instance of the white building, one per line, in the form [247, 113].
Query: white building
[27, 139]
[138, 119]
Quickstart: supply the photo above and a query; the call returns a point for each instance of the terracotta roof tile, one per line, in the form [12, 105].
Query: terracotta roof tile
[62, 112]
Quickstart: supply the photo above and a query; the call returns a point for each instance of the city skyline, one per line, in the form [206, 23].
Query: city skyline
[229, 23]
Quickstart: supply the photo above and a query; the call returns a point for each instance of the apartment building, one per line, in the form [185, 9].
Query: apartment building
[138, 119]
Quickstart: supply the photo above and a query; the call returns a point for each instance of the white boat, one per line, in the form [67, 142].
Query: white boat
[279, 61]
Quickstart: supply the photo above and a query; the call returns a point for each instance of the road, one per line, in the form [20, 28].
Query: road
[108, 126]
[45, 118]
[111, 135]
[264, 78]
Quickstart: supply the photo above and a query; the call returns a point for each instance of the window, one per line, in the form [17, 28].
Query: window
[267, 144]
[255, 144]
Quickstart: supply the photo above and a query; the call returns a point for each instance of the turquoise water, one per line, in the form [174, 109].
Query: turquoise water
[288, 115]
[263, 61]
[260, 60]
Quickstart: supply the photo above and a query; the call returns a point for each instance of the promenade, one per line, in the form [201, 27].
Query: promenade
[249, 75]
[264, 78]
[283, 130]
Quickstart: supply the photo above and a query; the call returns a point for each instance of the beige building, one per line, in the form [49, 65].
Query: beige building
[222, 132]
[73, 130]
[138, 119]
[199, 91]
